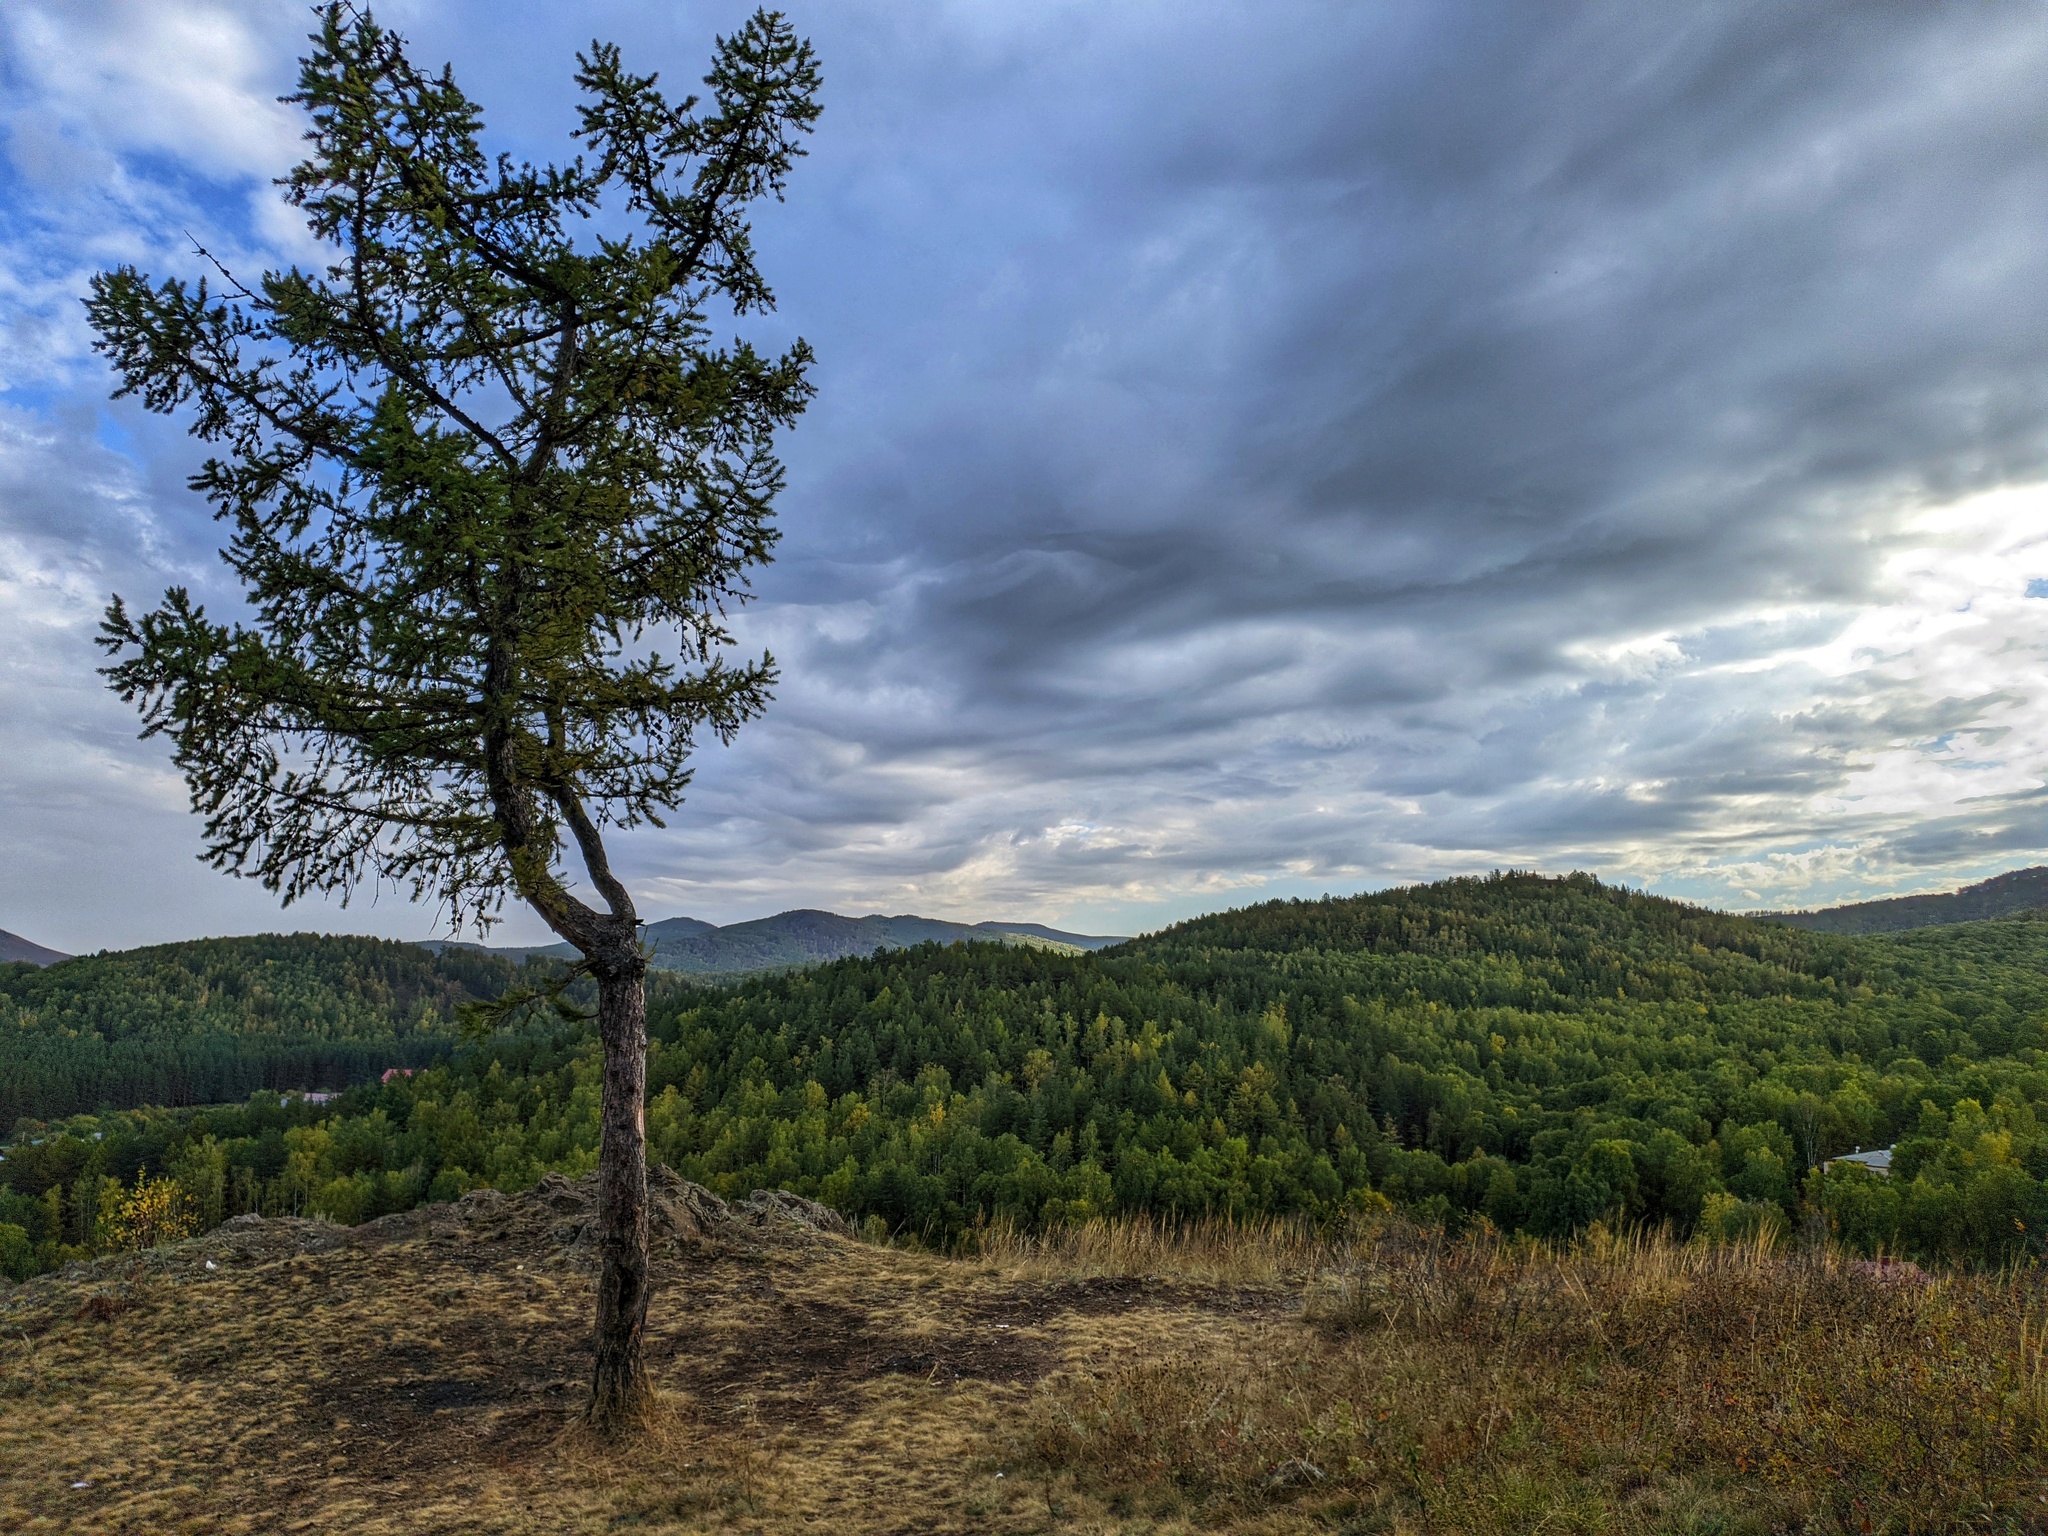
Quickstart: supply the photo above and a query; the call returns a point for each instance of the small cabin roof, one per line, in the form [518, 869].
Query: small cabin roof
[1879, 1161]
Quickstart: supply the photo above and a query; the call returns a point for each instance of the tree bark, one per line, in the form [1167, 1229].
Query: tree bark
[619, 1391]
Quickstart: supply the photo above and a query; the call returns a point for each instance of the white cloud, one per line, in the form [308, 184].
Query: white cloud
[194, 81]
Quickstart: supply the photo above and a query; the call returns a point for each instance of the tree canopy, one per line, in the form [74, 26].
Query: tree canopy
[491, 482]
[1539, 1054]
[213, 1019]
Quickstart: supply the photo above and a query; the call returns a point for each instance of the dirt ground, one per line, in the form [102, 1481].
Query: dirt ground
[419, 1374]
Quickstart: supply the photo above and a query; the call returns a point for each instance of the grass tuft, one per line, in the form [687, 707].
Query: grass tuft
[1264, 1250]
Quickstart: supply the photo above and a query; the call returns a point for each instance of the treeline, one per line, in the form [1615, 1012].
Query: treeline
[217, 1019]
[1538, 1054]
[70, 1190]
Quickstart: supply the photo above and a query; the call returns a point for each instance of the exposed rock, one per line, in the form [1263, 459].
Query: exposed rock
[557, 1214]
[560, 1212]
[682, 1209]
[770, 1208]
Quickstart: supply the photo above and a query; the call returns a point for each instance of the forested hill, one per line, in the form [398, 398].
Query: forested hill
[1521, 941]
[2021, 890]
[1543, 1052]
[213, 1019]
[792, 939]
[1540, 1053]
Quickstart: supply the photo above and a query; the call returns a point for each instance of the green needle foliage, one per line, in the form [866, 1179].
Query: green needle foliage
[469, 470]
[493, 489]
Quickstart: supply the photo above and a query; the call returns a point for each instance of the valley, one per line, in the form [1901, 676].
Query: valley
[1534, 1054]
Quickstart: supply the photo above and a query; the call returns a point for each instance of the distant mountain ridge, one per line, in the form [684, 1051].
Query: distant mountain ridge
[2019, 890]
[810, 937]
[14, 947]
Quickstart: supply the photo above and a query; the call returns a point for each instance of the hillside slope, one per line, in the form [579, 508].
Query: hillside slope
[417, 1374]
[212, 1019]
[1542, 1053]
[14, 949]
[792, 940]
[2021, 890]
[801, 938]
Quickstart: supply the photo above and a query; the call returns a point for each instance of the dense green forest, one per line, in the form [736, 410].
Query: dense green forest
[216, 1019]
[1537, 1053]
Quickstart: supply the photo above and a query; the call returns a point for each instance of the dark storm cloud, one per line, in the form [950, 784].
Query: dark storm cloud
[1448, 348]
[1589, 313]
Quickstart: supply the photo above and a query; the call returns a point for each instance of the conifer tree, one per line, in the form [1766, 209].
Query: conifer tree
[493, 489]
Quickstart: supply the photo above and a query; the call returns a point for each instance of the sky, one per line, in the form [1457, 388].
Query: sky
[1261, 449]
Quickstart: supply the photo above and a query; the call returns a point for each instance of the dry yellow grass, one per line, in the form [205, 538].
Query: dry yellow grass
[419, 1376]
[1265, 1251]
[423, 1379]
[1620, 1385]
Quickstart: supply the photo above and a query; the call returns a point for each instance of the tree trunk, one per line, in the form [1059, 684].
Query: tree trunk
[619, 1390]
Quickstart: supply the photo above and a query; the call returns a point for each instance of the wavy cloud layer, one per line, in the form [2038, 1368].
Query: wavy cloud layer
[1261, 449]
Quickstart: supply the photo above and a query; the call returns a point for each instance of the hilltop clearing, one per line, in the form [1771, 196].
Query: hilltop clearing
[417, 1374]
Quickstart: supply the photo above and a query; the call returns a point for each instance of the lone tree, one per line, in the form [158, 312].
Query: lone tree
[480, 472]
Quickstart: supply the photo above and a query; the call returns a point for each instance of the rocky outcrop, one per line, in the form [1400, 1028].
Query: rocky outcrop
[557, 1216]
[560, 1212]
